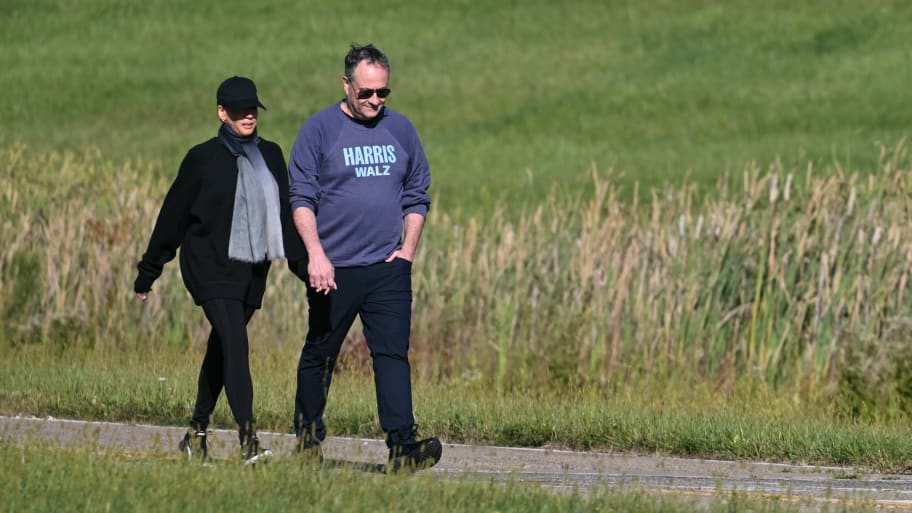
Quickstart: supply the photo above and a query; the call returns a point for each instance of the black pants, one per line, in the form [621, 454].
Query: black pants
[226, 364]
[381, 294]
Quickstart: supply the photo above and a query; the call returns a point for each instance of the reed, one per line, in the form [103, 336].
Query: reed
[782, 276]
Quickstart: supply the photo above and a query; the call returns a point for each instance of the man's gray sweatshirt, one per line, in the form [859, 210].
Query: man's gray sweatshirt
[360, 179]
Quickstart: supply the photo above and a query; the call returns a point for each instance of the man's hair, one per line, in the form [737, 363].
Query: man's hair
[369, 53]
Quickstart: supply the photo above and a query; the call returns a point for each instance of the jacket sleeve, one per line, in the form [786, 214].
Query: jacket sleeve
[294, 248]
[171, 225]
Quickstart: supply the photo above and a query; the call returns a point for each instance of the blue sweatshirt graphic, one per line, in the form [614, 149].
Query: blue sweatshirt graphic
[360, 179]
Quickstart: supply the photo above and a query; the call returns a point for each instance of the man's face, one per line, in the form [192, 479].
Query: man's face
[367, 79]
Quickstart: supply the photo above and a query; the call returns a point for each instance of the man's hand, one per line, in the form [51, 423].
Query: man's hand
[400, 254]
[321, 273]
[414, 223]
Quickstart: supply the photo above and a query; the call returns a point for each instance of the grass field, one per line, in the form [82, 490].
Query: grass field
[509, 97]
[786, 292]
[40, 479]
[751, 423]
[755, 307]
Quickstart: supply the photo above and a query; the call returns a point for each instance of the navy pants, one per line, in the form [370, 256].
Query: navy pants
[226, 365]
[381, 294]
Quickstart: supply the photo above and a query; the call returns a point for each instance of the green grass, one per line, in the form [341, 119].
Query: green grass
[720, 316]
[750, 423]
[510, 98]
[39, 479]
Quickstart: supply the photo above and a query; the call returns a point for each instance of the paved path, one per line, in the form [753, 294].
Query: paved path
[808, 485]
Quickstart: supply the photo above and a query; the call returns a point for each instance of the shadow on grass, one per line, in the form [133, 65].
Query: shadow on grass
[376, 468]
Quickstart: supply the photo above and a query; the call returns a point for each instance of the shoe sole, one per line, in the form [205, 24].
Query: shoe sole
[263, 456]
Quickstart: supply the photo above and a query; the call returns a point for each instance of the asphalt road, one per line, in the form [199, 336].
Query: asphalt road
[579, 471]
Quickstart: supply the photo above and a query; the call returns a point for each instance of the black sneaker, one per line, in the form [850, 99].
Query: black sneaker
[410, 454]
[194, 445]
[251, 452]
[307, 448]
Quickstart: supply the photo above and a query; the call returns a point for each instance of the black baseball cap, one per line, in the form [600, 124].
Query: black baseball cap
[238, 94]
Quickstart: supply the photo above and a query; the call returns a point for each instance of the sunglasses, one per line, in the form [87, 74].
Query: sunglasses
[364, 94]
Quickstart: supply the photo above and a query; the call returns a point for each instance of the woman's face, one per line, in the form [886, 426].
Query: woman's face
[243, 123]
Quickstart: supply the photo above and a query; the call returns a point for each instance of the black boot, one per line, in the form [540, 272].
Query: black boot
[408, 453]
[194, 445]
[251, 451]
[308, 448]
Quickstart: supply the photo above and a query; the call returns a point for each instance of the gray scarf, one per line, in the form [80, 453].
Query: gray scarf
[256, 226]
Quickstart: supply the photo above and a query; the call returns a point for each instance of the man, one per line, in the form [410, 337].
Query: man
[359, 195]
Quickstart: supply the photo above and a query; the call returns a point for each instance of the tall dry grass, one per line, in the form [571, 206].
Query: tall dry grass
[795, 277]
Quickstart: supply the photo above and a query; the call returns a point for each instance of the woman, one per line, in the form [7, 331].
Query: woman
[228, 212]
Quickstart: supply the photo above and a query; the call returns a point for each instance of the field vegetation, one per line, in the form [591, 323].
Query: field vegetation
[786, 285]
[37, 483]
[659, 227]
[509, 97]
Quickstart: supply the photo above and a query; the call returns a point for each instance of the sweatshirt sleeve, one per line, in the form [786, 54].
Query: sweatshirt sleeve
[303, 165]
[172, 223]
[415, 197]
